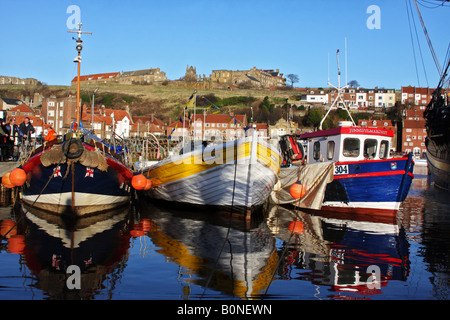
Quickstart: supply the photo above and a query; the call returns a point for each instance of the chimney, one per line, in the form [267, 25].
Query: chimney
[152, 117]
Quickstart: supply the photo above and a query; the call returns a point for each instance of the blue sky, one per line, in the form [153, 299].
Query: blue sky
[295, 36]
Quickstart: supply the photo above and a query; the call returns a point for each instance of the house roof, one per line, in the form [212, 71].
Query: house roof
[155, 121]
[118, 114]
[97, 76]
[12, 101]
[221, 118]
[22, 108]
[180, 124]
[145, 127]
[410, 124]
[35, 121]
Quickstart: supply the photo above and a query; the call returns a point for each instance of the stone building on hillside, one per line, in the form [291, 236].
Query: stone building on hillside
[146, 76]
[254, 77]
[17, 81]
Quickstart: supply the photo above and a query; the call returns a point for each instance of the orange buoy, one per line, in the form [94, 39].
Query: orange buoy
[296, 227]
[137, 233]
[18, 177]
[297, 190]
[147, 225]
[6, 182]
[148, 185]
[16, 244]
[7, 228]
[139, 182]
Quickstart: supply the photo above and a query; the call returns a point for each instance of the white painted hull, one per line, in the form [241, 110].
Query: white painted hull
[239, 173]
[217, 186]
[86, 202]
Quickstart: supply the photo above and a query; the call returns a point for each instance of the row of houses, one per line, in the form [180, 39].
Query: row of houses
[355, 98]
[60, 113]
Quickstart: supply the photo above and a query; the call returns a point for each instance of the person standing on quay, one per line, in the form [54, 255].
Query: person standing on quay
[26, 129]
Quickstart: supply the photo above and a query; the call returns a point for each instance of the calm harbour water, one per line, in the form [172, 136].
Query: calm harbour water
[156, 252]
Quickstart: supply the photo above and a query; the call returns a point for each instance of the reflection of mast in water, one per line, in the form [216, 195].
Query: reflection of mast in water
[337, 252]
[97, 245]
[194, 241]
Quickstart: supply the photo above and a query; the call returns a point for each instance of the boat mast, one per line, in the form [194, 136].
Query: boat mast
[339, 95]
[77, 60]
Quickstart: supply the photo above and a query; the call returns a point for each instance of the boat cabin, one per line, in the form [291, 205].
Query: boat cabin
[347, 143]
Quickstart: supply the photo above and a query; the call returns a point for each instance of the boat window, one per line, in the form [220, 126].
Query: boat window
[384, 149]
[316, 150]
[351, 147]
[370, 148]
[330, 150]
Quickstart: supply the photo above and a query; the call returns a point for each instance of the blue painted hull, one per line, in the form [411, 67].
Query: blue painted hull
[369, 187]
[75, 189]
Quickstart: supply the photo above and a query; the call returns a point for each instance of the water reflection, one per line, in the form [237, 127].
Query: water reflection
[218, 253]
[49, 244]
[335, 252]
[281, 253]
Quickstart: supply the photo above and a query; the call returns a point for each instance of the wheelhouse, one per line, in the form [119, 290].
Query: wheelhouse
[347, 144]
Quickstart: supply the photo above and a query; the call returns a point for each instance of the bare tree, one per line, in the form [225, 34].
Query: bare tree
[293, 78]
[353, 84]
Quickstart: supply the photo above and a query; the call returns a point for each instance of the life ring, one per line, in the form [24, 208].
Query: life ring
[68, 148]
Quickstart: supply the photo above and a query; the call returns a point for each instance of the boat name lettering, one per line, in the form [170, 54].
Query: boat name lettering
[367, 130]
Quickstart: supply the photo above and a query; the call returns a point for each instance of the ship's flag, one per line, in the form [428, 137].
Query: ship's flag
[89, 172]
[57, 172]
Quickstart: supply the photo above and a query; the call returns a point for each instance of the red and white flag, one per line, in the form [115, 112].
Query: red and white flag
[89, 172]
[57, 172]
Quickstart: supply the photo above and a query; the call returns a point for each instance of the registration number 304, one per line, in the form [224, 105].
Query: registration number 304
[341, 169]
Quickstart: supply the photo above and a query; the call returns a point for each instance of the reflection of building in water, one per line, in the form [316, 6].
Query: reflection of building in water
[337, 252]
[97, 245]
[236, 261]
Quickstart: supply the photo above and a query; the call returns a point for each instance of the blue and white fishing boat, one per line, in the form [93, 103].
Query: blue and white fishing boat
[366, 179]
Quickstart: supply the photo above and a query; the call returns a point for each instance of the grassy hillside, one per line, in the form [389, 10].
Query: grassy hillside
[166, 101]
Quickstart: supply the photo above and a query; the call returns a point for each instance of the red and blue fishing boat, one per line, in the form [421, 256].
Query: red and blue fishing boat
[366, 178]
[76, 173]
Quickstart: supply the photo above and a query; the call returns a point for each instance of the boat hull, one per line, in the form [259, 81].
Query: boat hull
[370, 187]
[75, 189]
[239, 179]
[439, 164]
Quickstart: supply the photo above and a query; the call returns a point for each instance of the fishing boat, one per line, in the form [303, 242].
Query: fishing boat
[357, 173]
[366, 179]
[75, 174]
[239, 173]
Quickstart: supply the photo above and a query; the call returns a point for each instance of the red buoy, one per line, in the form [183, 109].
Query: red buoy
[18, 177]
[148, 185]
[139, 182]
[296, 227]
[297, 190]
[6, 182]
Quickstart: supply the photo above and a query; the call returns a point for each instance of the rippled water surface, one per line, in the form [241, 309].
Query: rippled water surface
[156, 252]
